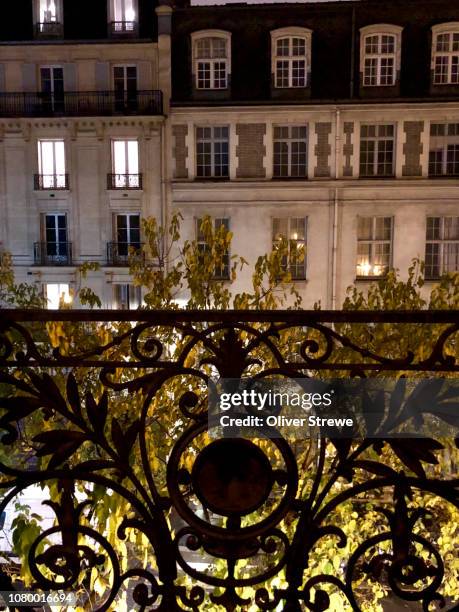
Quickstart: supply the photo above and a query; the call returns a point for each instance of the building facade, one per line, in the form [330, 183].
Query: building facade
[334, 125]
[82, 129]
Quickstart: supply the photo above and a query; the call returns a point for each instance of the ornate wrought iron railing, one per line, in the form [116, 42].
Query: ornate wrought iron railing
[121, 399]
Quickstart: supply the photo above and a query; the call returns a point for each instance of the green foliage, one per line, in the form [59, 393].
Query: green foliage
[173, 270]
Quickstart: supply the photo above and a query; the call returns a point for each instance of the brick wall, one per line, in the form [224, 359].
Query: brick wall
[250, 150]
[180, 150]
[323, 149]
[413, 148]
[348, 149]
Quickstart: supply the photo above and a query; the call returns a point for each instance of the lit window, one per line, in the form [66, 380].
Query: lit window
[48, 17]
[292, 233]
[124, 16]
[212, 152]
[445, 54]
[380, 54]
[377, 150]
[126, 296]
[291, 53]
[290, 151]
[222, 270]
[125, 165]
[211, 59]
[51, 165]
[444, 149]
[57, 294]
[374, 246]
[442, 246]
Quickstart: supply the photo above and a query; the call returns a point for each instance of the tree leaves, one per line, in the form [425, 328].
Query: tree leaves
[413, 451]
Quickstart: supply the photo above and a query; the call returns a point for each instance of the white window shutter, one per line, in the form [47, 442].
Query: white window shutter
[144, 80]
[103, 76]
[29, 77]
[2, 77]
[70, 77]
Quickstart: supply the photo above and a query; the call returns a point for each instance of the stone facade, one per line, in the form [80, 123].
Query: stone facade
[180, 150]
[250, 150]
[322, 150]
[413, 148]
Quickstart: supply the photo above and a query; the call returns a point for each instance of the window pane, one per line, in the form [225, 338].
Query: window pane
[59, 149]
[365, 228]
[119, 157]
[133, 157]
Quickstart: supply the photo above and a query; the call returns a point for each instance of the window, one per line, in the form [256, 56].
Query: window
[291, 53]
[445, 54]
[52, 88]
[444, 149]
[126, 296]
[57, 294]
[290, 151]
[292, 233]
[380, 54]
[211, 59]
[48, 17]
[212, 152]
[377, 147]
[442, 246]
[222, 270]
[125, 88]
[51, 165]
[125, 165]
[54, 248]
[124, 16]
[374, 246]
[127, 238]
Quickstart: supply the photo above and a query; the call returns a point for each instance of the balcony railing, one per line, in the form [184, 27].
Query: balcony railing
[121, 253]
[124, 181]
[49, 29]
[51, 181]
[53, 253]
[80, 104]
[121, 400]
[123, 29]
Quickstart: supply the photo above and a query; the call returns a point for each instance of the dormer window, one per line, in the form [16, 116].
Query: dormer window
[124, 17]
[48, 18]
[380, 47]
[211, 59]
[291, 57]
[445, 54]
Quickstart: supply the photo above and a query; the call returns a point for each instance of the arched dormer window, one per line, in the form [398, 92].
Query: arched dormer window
[211, 59]
[380, 54]
[291, 57]
[445, 54]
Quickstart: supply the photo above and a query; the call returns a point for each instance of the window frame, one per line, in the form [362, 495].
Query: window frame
[127, 179]
[222, 272]
[450, 28]
[440, 143]
[66, 295]
[129, 288]
[211, 34]
[213, 153]
[54, 183]
[377, 140]
[442, 243]
[290, 141]
[380, 30]
[291, 33]
[288, 264]
[372, 242]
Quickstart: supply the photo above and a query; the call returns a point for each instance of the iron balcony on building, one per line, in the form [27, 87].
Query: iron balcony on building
[124, 181]
[123, 29]
[49, 29]
[121, 253]
[51, 181]
[53, 253]
[80, 104]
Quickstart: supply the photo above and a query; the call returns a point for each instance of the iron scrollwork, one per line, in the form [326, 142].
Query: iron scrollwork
[230, 502]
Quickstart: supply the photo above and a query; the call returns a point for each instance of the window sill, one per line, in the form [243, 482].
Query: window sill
[375, 178]
[370, 279]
